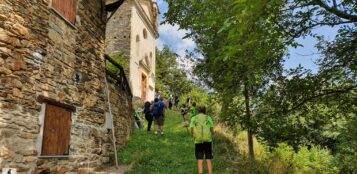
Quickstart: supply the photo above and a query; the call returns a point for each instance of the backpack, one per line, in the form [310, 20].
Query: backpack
[155, 109]
[202, 132]
[161, 106]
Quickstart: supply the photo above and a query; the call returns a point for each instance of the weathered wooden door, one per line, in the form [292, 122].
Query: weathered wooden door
[143, 87]
[67, 8]
[56, 131]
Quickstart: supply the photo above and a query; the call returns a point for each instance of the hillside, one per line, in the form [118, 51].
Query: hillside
[172, 152]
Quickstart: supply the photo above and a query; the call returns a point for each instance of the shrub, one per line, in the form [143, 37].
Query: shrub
[284, 160]
[281, 159]
[315, 160]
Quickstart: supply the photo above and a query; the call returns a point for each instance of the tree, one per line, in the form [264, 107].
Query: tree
[168, 75]
[233, 64]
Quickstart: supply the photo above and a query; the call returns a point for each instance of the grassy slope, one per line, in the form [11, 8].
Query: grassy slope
[173, 152]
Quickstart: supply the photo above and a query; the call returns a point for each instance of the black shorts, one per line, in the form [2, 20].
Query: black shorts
[203, 150]
[159, 120]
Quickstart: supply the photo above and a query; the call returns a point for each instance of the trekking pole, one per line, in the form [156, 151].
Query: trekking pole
[111, 117]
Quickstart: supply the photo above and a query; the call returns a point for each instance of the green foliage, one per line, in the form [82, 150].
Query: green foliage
[347, 148]
[119, 58]
[312, 161]
[233, 65]
[168, 76]
[243, 50]
[198, 95]
[283, 159]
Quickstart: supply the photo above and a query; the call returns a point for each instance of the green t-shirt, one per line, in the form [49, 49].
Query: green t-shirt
[193, 111]
[209, 124]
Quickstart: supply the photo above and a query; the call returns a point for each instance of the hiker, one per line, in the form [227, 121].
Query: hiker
[148, 114]
[158, 112]
[188, 101]
[202, 129]
[193, 109]
[170, 103]
[177, 100]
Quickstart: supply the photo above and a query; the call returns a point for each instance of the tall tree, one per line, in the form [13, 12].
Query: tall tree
[168, 75]
[241, 47]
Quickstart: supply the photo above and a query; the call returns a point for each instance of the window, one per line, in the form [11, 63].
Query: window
[137, 38]
[56, 131]
[67, 8]
[145, 34]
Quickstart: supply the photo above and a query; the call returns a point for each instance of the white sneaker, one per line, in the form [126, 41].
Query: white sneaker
[155, 132]
[162, 133]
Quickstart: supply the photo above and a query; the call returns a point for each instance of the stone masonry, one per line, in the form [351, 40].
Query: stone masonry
[132, 32]
[41, 54]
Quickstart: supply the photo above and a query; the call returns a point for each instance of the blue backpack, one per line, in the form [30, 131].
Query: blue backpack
[155, 109]
[161, 107]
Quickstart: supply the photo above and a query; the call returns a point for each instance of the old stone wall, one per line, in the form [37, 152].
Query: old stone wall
[123, 117]
[41, 54]
[118, 32]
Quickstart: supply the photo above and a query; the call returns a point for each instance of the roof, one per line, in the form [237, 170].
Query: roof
[112, 5]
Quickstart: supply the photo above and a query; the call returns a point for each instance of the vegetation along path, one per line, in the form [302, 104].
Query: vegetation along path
[172, 152]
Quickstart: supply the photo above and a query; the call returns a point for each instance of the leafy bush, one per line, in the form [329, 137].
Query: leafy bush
[315, 160]
[120, 59]
[283, 160]
[347, 148]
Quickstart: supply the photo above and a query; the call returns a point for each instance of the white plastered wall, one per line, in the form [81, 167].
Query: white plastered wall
[138, 51]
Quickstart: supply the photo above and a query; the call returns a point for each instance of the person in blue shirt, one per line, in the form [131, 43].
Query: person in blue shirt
[159, 115]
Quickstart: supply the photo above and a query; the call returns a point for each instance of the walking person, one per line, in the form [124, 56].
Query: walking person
[148, 114]
[170, 102]
[188, 101]
[177, 100]
[202, 129]
[158, 111]
[161, 120]
[193, 109]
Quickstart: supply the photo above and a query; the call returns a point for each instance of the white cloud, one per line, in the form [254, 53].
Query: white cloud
[173, 36]
[172, 30]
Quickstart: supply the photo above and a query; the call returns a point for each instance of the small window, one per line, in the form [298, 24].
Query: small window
[137, 38]
[145, 34]
[150, 54]
[67, 8]
[56, 131]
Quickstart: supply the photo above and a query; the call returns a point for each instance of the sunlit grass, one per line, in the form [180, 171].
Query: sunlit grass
[172, 152]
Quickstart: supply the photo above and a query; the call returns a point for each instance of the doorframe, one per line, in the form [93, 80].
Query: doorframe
[44, 101]
[146, 86]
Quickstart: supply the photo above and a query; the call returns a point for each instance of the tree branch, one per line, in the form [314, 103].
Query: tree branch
[326, 92]
[335, 11]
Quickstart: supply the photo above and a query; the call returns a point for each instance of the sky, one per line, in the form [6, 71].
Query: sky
[304, 56]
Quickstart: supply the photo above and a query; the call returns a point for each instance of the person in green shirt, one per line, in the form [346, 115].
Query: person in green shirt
[193, 109]
[202, 129]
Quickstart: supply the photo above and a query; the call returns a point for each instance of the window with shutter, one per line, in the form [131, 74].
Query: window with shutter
[67, 8]
[56, 131]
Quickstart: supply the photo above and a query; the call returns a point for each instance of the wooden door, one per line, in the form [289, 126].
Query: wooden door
[67, 8]
[143, 87]
[56, 131]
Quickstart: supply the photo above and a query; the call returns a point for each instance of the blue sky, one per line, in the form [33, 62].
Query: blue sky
[305, 56]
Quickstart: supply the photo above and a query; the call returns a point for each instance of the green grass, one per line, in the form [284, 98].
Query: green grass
[172, 152]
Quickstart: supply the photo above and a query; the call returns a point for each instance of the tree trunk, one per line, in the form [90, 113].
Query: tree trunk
[249, 125]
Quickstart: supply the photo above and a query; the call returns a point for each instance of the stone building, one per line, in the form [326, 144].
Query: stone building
[132, 32]
[52, 87]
